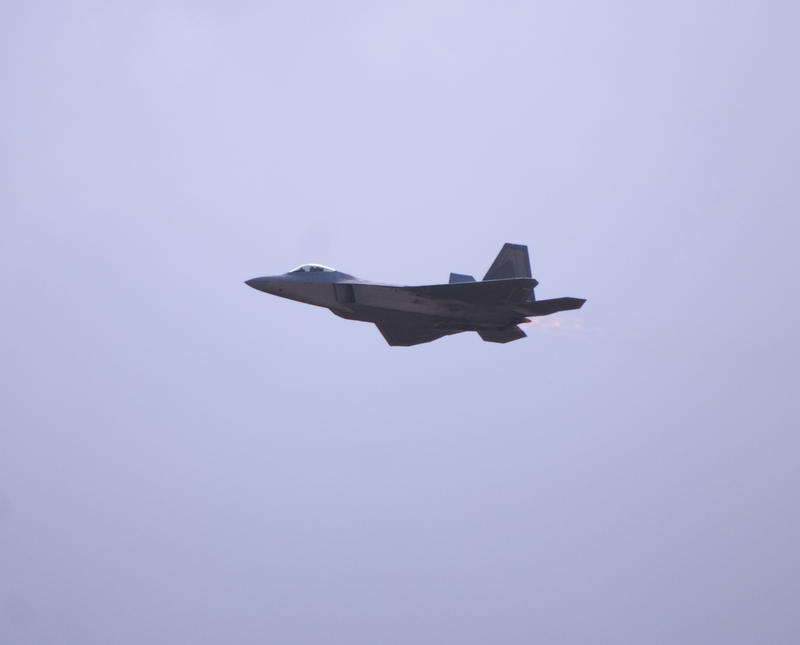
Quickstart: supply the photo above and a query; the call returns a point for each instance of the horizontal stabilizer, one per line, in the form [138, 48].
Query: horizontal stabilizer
[460, 277]
[511, 262]
[545, 307]
[501, 335]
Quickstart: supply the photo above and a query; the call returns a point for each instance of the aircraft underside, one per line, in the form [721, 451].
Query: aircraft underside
[406, 328]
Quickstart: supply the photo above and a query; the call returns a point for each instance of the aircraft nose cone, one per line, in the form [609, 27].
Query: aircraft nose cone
[258, 283]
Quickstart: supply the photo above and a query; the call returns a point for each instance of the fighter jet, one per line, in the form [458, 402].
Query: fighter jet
[493, 307]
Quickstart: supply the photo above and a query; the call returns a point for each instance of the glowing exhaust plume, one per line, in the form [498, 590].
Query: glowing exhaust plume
[555, 323]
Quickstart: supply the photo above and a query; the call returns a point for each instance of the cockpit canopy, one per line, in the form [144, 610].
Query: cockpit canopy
[309, 268]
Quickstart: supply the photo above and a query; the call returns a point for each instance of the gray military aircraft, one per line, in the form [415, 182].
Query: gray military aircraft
[493, 307]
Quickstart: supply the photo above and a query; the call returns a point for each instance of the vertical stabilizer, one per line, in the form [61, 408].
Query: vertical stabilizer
[460, 277]
[511, 262]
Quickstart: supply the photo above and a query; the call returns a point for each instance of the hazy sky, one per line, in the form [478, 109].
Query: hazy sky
[186, 460]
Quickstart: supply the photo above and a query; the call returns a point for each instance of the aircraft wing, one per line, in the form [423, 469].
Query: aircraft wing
[491, 292]
[405, 334]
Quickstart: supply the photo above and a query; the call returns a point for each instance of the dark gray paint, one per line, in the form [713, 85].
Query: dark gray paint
[406, 316]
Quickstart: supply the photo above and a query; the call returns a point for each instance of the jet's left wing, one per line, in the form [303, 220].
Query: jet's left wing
[513, 290]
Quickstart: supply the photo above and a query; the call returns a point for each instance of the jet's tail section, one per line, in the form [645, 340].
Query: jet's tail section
[547, 307]
[501, 335]
[511, 262]
[460, 277]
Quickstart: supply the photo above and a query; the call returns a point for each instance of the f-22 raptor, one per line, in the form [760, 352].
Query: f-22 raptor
[493, 307]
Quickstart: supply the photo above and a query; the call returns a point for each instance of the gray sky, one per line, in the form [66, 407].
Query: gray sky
[183, 459]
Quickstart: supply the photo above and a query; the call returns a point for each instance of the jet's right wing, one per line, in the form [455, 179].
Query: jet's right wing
[406, 334]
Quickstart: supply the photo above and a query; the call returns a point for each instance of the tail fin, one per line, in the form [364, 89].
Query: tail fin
[511, 262]
[460, 277]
